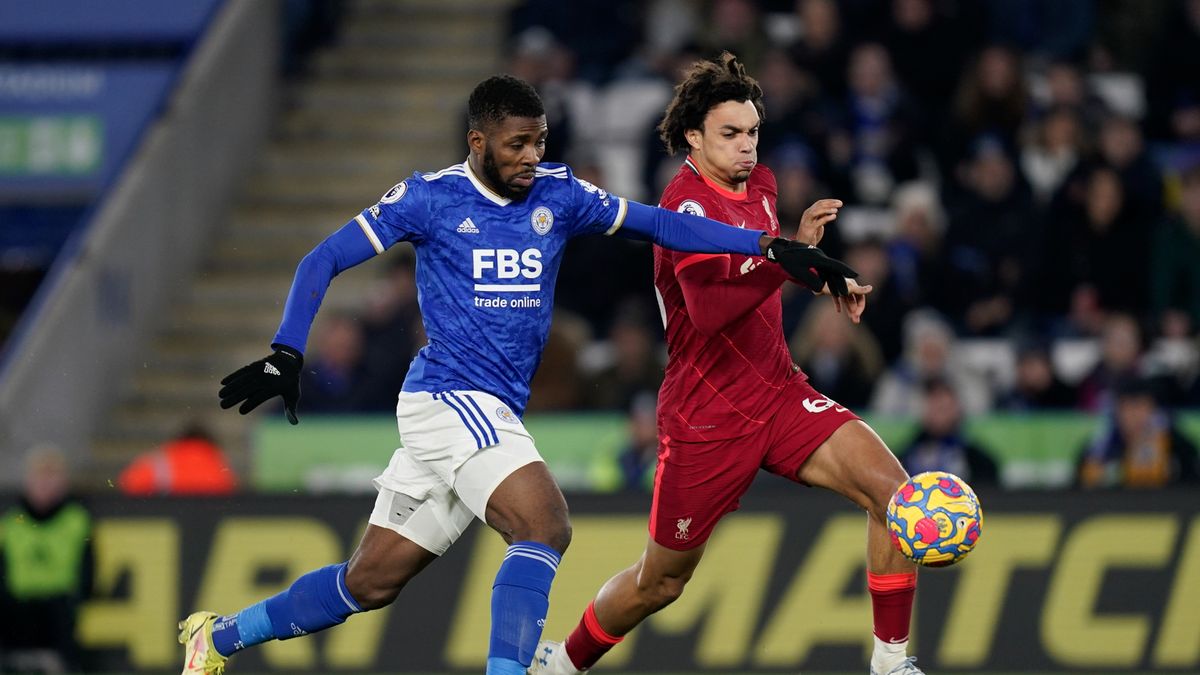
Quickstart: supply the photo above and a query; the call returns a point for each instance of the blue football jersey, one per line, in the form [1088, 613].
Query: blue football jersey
[486, 268]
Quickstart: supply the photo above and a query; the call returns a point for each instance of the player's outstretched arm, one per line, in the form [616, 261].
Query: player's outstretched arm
[686, 232]
[279, 373]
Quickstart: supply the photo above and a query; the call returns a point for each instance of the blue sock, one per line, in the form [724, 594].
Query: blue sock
[520, 598]
[313, 602]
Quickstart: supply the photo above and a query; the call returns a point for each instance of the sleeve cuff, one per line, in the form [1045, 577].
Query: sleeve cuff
[622, 210]
[371, 236]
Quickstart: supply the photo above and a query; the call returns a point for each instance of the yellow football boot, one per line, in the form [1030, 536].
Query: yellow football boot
[200, 657]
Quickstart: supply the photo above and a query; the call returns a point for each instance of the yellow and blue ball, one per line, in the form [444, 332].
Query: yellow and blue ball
[934, 519]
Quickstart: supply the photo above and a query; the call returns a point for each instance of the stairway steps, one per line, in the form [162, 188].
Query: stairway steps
[336, 95]
[404, 61]
[366, 126]
[419, 28]
[276, 188]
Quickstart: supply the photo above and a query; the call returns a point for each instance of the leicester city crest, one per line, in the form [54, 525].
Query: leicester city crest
[542, 220]
[506, 415]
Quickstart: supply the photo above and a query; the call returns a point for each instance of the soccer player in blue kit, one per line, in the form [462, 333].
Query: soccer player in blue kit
[489, 235]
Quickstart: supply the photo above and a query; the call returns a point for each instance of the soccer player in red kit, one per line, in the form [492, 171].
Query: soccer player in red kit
[733, 402]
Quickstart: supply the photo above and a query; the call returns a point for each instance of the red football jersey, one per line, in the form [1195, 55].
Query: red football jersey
[727, 358]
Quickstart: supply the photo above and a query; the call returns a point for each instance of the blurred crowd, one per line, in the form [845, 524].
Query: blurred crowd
[1022, 182]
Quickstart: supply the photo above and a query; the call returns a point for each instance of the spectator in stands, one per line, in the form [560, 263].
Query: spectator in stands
[873, 145]
[1057, 145]
[1037, 386]
[635, 365]
[842, 359]
[1139, 446]
[1175, 262]
[1097, 244]
[1123, 148]
[46, 569]
[928, 353]
[914, 254]
[991, 242]
[1065, 86]
[332, 376]
[940, 444]
[1120, 359]
[191, 464]
[992, 99]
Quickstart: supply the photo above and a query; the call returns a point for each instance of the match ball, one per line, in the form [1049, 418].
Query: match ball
[934, 519]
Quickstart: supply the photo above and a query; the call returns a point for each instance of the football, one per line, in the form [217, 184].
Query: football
[935, 519]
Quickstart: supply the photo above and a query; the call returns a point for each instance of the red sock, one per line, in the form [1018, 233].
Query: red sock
[588, 642]
[892, 600]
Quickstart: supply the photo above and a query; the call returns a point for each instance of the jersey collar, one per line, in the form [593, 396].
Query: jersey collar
[720, 189]
[483, 189]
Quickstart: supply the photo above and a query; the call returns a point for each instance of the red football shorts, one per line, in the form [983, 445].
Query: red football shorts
[697, 483]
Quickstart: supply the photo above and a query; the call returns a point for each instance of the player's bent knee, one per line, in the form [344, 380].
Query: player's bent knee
[558, 536]
[553, 531]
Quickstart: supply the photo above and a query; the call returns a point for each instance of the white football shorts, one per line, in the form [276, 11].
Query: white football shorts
[458, 447]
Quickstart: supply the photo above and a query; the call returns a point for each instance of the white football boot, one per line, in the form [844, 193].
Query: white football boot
[551, 659]
[906, 667]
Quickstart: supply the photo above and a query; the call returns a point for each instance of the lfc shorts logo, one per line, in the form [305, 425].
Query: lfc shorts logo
[683, 524]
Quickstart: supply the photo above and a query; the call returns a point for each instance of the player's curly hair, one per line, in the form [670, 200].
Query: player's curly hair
[500, 97]
[706, 84]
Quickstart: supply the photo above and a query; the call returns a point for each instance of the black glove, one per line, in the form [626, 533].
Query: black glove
[810, 266]
[276, 375]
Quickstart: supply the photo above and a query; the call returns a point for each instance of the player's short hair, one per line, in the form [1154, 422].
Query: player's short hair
[705, 85]
[500, 97]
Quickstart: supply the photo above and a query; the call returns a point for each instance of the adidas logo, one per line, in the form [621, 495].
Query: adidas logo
[270, 369]
[467, 227]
